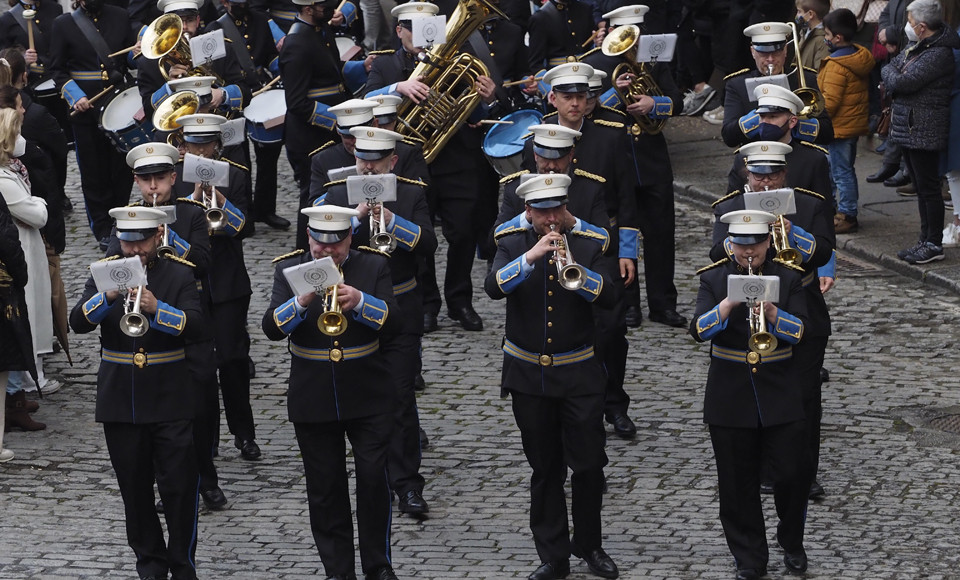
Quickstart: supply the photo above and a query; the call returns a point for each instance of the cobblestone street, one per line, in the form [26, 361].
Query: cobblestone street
[890, 475]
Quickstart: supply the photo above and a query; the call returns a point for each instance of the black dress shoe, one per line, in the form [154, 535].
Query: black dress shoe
[824, 375]
[418, 383]
[249, 449]
[598, 561]
[633, 317]
[551, 571]
[816, 490]
[766, 488]
[274, 221]
[213, 498]
[67, 204]
[385, 573]
[104, 243]
[623, 426]
[898, 180]
[350, 576]
[750, 574]
[429, 322]
[424, 441]
[796, 562]
[885, 172]
[413, 503]
[467, 317]
[668, 317]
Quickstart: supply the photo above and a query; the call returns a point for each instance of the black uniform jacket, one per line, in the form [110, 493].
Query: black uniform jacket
[321, 390]
[127, 393]
[558, 30]
[255, 30]
[745, 395]
[191, 226]
[505, 41]
[13, 34]
[410, 164]
[544, 318]
[737, 103]
[815, 216]
[808, 167]
[70, 52]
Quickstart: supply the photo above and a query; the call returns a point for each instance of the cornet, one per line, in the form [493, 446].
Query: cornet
[215, 216]
[380, 238]
[770, 70]
[332, 322]
[571, 275]
[760, 342]
[165, 250]
[782, 244]
[132, 323]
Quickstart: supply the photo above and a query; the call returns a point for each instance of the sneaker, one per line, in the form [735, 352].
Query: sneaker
[714, 116]
[928, 252]
[51, 386]
[5, 455]
[908, 190]
[694, 102]
[902, 254]
[846, 224]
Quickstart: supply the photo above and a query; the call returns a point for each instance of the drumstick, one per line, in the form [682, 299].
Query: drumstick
[495, 122]
[340, 7]
[124, 51]
[29, 15]
[267, 86]
[589, 40]
[93, 99]
[520, 82]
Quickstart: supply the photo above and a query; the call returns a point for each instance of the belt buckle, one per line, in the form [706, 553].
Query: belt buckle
[140, 359]
[546, 360]
[336, 355]
[753, 358]
[104, 76]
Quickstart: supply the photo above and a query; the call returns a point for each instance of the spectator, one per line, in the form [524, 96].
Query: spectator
[810, 15]
[951, 160]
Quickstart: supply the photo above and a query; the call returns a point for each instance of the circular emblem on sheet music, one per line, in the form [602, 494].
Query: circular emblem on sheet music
[753, 288]
[372, 189]
[206, 172]
[227, 132]
[429, 31]
[208, 48]
[658, 47]
[770, 204]
[316, 278]
[121, 275]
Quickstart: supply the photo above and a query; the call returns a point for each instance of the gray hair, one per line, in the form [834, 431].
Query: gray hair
[929, 12]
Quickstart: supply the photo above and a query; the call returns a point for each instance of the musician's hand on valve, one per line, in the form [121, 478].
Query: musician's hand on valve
[82, 105]
[385, 215]
[769, 312]
[787, 226]
[544, 246]
[148, 302]
[30, 55]
[348, 297]
[486, 88]
[177, 71]
[642, 106]
[623, 81]
[628, 271]
[414, 90]
[304, 300]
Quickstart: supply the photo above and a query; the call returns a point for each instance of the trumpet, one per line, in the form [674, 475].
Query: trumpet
[760, 342]
[782, 244]
[380, 238]
[571, 275]
[332, 322]
[165, 250]
[132, 323]
[770, 70]
[215, 216]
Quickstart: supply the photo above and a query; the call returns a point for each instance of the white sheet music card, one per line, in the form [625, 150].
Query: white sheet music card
[381, 188]
[339, 173]
[752, 83]
[776, 201]
[753, 288]
[233, 132]
[198, 169]
[429, 31]
[171, 211]
[207, 47]
[656, 47]
[315, 276]
[118, 274]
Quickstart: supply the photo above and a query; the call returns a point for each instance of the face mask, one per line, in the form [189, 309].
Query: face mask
[830, 46]
[801, 23]
[238, 10]
[93, 6]
[771, 132]
[911, 33]
[20, 147]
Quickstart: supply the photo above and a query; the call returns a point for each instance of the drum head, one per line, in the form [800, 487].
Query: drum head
[266, 106]
[505, 140]
[47, 85]
[119, 112]
[347, 46]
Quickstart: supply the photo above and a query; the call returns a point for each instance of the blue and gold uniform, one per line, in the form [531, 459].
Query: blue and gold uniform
[558, 31]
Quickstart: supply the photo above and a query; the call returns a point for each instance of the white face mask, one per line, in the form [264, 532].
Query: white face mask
[911, 33]
[20, 147]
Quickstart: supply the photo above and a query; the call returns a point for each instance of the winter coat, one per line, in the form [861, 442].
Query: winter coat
[920, 79]
[951, 161]
[844, 82]
[17, 351]
[813, 49]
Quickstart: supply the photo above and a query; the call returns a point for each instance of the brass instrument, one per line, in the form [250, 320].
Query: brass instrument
[173, 107]
[332, 322]
[380, 238]
[132, 323]
[165, 250]
[166, 41]
[452, 79]
[769, 70]
[215, 216]
[619, 42]
[760, 342]
[782, 244]
[813, 103]
[569, 272]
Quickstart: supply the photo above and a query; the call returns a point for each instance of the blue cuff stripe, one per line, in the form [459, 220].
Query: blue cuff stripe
[629, 243]
[508, 277]
[788, 327]
[406, 232]
[286, 317]
[373, 313]
[169, 319]
[709, 324]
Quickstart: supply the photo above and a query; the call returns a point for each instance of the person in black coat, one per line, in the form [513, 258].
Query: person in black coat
[14, 34]
[753, 401]
[550, 372]
[557, 31]
[341, 385]
[145, 396]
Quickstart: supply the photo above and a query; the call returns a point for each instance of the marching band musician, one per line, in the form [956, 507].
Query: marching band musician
[282, 12]
[558, 32]
[408, 220]
[741, 123]
[595, 109]
[549, 370]
[80, 45]
[227, 281]
[752, 402]
[145, 396]
[253, 37]
[810, 232]
[341, 386]
[14, 33]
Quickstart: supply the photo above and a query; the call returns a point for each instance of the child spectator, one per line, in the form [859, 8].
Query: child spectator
[810, 15]
[843, 80]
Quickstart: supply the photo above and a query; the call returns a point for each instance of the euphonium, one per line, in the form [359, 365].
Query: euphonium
[165, 250]
[452, 79]
[760, 341]
[214, 215]
[571, 275]
[620, 41]
[332, 322]
[782, 244]
[132, 323]
[165, 41]
[813, 103]
[173, 107]
[380, 238]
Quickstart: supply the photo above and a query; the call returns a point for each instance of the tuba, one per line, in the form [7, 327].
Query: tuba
[760, 342]
[165, 41]
[452, 79]
[569, 272]
[620, 41]
[332, 322]
[132, 323]
[813, 103]
[177, 105]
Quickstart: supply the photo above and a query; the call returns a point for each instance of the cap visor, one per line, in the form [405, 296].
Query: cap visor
[372, 155]
[134, 235]
[345, 130]
[200, 137]
[384, 119]
[772, 109]
[765, 169]
[548, 153]
[571, 88]
[747, 239]
[769, 47]
[153, 169]
[548, 203]
[327, 237]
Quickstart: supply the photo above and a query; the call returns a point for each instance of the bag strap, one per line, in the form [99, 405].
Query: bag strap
[93, 36]
[239, 45]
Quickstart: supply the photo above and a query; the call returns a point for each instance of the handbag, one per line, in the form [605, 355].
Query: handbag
[883, 123]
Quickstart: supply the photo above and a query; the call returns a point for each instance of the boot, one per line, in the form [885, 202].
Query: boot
[18, 416]
[5, 454]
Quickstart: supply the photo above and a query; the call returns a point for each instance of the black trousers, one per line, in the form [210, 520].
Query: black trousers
[206, 422]
[323, 450]
[300, 162]
[265, 187]
[739, 454]
[233, 350]
[140, 454]
[105, 178]
[924, 168]
[808, 357]
[657, 224]
[612, 346]
[402, 353]
[556, 433]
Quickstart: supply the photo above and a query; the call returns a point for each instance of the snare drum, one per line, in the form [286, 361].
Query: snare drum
[45, 90]
[123, 121]
[348, 47]
[503, 144]
[265, 116]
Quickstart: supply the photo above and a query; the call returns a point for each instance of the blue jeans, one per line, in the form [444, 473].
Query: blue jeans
[843, 155]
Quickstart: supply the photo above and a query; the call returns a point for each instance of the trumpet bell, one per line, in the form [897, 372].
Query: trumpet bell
[385, 242]
[215, 218]
[572, 277]
[762, 343]
[332, 323]
[620, 40]
[166, 251]
[173, 107]
[134, 324]
[790, 255]
[813, 103]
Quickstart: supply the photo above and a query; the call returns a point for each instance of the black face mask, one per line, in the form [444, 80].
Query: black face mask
[93, 6]
[238, 10]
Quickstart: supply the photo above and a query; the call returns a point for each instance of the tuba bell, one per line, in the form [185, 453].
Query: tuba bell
[571, 274]
[132, 323]
[760, 342]
[332, 322]
[622, 40]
